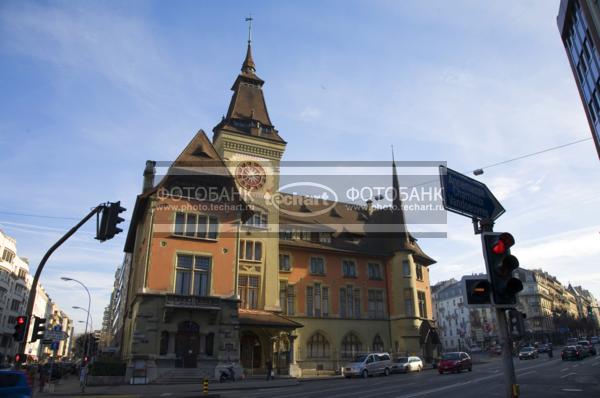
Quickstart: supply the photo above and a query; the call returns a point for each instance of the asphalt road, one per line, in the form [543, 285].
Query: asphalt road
[538, 378]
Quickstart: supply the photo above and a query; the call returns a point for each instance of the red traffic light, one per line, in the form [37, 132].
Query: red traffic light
[499, 248]
[20, 320]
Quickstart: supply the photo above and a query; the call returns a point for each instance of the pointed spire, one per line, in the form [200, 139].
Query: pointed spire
[248, 66]
[397, 209]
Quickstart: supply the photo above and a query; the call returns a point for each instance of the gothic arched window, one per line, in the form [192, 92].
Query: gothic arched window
[318, 346]
[351, 346]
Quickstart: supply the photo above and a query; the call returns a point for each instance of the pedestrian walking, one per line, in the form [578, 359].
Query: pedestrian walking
[269, 365]
[83, 377]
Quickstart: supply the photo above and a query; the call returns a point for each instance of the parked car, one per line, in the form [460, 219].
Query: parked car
[407, 364]
[496, 350]
[455, 362]
[14, 384]
[572, 352]
[369, 365]
[572, 341]
[587, 347]
[544, 347]
[594, 340]
[528, 353]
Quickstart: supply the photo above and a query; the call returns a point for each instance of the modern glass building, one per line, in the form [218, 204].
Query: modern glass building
[579, 24]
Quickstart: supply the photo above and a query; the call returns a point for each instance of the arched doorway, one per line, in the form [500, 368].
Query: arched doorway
[187, 344]
[250, 350]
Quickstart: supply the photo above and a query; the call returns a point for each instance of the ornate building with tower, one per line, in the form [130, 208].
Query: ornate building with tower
[225, 268]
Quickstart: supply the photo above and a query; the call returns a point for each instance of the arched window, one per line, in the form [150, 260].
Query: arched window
[351, 346]
[377, 344]
[164, 342]
[318, 346]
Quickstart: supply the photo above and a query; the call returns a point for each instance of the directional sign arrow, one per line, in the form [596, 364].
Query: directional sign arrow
[468, 197]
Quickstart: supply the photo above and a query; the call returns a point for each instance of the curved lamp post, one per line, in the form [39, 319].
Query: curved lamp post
[87, 340]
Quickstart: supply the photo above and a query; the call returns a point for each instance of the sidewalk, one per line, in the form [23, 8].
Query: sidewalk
[70, 387]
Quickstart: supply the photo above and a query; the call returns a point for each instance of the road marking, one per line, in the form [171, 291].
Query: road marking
[345, 386]
[571, 389]
[567, 375]
[166, 394]
[563, 369]
[575, 366]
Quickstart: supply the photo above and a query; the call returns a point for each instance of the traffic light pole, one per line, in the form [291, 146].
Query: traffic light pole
[38, 272]
[510, 379]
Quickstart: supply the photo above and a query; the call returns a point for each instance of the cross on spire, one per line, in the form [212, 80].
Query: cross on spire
[249, 19]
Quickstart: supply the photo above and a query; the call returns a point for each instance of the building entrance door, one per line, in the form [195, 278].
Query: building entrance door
[250, 351]
[187, 344]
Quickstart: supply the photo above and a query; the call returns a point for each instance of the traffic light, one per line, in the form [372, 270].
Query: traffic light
[590, 313]
[39, 328]
[500, 266]
[20, 358]
[478, 291]
[516, 323]
[20, 328]
[109, 221]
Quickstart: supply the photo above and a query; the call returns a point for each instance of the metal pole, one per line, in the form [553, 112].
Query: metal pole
[510, 379]
[38, 272]
[87, 320]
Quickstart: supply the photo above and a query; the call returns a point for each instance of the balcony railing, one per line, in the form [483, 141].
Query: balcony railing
[194, 302]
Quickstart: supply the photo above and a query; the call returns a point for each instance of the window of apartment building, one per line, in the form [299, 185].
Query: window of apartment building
[349, 268]
[192, 275]
[422, 304]
[409, 307]
[317, 266]
[406, 267]
[8, 255]
[324, 237]
[376, 304]
[350, 302]
[258, 220]
[285, 234]
[15, 305]
[248, 289]
[284, 263]
[286, 298]
[374, 271]
[193, 225]
[419, 271]
[318, 346]
[317, 301]
[250, 250]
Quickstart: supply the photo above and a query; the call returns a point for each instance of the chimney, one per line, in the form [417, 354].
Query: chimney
[149, 173]
[369, 207]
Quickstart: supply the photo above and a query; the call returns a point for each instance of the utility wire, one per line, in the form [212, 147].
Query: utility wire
[536, 153]
[426, 182]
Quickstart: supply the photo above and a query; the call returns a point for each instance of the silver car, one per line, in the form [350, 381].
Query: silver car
[407, 364]
[369, 365]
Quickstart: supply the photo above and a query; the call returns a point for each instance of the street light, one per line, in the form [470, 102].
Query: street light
[87, 340]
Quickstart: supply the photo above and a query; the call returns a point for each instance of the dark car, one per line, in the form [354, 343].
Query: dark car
[544, 348]
[587, 347]
[14, 384]
[528, 353]
[572, 352]
[455, 362]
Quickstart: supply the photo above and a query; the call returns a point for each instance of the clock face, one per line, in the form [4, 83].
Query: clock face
[250, 175]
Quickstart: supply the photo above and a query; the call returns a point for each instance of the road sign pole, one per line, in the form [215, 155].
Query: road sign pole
[510, 378]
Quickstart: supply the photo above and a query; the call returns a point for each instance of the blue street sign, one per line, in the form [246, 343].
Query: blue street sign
[54, 345]
[468, 197]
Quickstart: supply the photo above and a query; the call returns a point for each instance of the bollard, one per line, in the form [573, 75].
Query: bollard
[205, 386]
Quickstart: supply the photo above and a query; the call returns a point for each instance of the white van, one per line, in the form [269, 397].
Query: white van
[369, 365]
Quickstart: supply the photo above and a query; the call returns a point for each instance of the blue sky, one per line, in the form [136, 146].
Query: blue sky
[94, 89]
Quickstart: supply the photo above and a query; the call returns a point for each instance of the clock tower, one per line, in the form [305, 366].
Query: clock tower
[252, 149]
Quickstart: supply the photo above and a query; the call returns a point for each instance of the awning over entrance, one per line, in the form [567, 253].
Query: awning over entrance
[266, 319]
